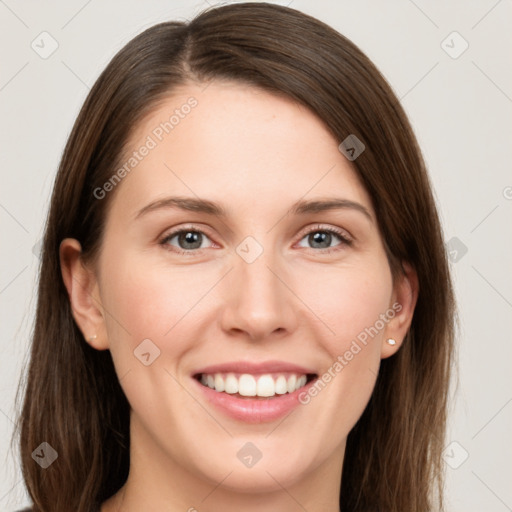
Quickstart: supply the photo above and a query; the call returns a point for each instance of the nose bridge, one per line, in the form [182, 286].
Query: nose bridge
[259, 285]
[259, 303]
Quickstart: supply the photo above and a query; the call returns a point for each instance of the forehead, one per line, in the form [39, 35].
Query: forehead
[235, 144]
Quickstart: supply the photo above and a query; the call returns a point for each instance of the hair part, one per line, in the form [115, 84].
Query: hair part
[73, 398]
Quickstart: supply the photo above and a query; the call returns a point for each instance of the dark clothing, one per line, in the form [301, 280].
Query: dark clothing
[30, 509]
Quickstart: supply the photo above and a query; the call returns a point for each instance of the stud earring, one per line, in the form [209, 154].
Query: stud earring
[391, 342]
[92, 338]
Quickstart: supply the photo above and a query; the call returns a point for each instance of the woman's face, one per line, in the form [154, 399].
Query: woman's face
[282, 285]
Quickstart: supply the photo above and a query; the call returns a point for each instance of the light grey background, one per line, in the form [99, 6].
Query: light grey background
[460, 109]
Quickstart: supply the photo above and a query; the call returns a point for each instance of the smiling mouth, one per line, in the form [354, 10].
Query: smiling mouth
[246, 385]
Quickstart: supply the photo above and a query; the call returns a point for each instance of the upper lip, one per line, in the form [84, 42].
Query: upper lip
[255, 368]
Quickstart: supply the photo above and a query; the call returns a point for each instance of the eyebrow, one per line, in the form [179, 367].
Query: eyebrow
[322, 205]
[185, 203]
[301, 207]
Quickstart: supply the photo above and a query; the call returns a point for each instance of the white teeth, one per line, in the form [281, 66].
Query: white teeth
[219, 382]
[249, 385]
[281, 387]
[292, 380]
[230, 384]
[266, 386]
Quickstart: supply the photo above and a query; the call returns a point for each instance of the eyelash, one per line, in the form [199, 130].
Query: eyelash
[345, 240]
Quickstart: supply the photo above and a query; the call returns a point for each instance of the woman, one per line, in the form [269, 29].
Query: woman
[244, 299]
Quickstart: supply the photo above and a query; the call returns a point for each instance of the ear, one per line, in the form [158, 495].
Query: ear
[83, 293]
[403, 302]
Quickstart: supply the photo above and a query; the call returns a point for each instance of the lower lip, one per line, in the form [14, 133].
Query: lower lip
[256, 410]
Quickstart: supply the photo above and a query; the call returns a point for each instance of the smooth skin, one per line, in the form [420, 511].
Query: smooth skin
[300, 301]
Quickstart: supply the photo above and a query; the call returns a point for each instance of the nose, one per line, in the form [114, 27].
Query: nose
[259, 302]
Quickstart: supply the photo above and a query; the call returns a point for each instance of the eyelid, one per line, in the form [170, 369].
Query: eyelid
[345, 237]
[342, 233]
[163, 239]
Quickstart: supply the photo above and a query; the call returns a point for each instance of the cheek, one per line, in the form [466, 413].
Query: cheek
[152, 302]
[345, 302]
[151, 326]
[350, 302]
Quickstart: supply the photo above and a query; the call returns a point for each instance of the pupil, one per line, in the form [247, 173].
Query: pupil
[321, 238]
[190, 240]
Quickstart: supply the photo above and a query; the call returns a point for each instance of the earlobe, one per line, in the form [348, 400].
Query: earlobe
[405, 296]
[82, 288]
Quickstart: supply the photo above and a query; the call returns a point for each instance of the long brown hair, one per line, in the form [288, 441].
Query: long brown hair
[73, 399]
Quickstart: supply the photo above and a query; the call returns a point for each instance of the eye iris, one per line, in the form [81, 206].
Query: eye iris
[193, 239]
[189, 240]
[320, 237]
